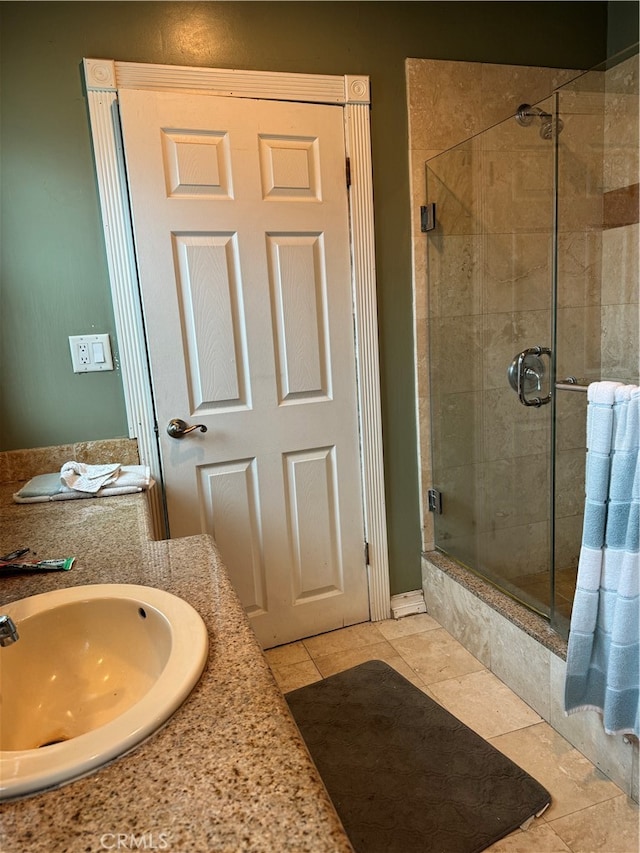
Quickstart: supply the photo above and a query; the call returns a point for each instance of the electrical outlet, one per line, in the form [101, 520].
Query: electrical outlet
[83, 354]
[90, 353]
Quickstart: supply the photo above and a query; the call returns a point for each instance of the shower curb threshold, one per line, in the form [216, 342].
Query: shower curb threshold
[541, 651]
[531, 623]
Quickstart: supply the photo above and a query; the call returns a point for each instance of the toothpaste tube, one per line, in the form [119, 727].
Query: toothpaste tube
[16, 567]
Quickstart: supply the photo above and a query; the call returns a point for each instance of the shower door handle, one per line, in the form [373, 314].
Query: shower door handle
[526, 372]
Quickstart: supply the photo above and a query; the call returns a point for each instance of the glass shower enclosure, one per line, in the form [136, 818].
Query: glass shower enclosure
[533, 294]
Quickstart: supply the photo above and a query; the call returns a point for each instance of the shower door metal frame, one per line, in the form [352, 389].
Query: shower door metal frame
[553, 621]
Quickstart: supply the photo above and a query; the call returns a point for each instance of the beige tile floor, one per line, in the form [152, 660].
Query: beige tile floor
[588, 813]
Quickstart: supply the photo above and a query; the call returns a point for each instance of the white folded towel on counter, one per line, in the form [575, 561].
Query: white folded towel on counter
[130, 477]
[104, 479]
[66, 485]
[88, 478]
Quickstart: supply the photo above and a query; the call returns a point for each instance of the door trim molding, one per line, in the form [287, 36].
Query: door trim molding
[103, 79]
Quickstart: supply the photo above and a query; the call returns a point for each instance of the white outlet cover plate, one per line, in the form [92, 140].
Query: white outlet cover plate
[90, 353]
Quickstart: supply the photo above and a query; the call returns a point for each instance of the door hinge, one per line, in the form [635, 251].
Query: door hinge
[435, 501]
[348, 171]
[366, 553]
[427, 217]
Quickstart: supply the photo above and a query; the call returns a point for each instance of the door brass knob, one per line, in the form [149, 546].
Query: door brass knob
[177, 428]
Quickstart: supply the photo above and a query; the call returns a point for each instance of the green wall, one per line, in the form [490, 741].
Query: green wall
[622, 25]
[54, 278]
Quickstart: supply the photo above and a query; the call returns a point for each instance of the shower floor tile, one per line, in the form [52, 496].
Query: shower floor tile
[588, 814]
[536, 587]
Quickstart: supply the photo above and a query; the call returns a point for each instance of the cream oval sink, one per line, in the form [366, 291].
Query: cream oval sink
[95, 671]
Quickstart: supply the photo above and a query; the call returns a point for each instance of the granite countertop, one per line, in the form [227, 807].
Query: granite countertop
[230, 771]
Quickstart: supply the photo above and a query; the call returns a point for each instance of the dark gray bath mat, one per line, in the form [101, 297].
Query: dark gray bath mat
[405, 775]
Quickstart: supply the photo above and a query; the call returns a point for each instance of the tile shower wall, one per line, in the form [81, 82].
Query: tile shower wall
[448, 103]
[598, 266]
[599, 273]
[598, 279]
[620, 237]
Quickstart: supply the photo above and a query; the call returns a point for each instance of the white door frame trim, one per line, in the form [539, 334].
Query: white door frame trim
[103, 79]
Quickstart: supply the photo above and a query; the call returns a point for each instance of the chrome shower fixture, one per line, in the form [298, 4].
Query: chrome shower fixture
[549, 125]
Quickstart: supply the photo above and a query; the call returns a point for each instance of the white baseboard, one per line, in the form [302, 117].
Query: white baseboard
[408, 603]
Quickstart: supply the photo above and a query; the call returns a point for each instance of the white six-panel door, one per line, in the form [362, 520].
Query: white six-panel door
[241, 224]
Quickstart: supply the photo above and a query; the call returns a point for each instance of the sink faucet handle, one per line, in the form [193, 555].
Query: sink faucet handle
[8, 631]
